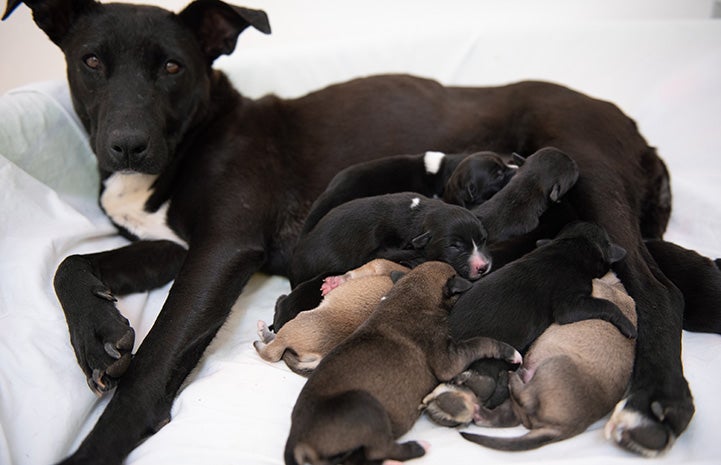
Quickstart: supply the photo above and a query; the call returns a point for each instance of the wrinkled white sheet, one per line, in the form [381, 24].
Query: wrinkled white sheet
[235, 408]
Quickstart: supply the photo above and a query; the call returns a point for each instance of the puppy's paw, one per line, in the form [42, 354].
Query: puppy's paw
[648, 431]
[330, 283]
[451, 405]
[264, 333]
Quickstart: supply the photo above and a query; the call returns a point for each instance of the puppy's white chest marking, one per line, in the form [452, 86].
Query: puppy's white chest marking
[124, 201]
[415, 201]
[432, 161]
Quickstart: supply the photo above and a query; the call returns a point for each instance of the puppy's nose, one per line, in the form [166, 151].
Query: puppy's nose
[128, 148]
[479, 265]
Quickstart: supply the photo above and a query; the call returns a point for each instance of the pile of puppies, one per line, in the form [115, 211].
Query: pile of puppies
[409, 315]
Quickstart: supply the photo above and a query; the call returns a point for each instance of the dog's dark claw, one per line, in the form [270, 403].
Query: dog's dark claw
[112, 351]
[121, 366]
[105, 294]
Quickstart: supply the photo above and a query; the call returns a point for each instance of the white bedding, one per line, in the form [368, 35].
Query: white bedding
[235, 408]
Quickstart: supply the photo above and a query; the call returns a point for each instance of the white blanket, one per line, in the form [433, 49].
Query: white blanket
[235, 408]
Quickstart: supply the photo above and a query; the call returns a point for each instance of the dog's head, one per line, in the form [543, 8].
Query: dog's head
[140, 76]
[476, 179]
[556, 170]
[454, 235]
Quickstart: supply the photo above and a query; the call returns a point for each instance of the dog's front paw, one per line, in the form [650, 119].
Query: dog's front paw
[103, 343]
[451, 405]
[648, 428]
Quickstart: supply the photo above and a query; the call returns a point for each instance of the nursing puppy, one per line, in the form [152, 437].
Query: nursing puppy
[459, 178]
[403, 227]
[349, 300]
[571, 377]
[515, 210]
[366, 392]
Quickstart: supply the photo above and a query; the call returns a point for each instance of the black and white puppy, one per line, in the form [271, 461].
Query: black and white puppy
[459, 178]
[404, 227]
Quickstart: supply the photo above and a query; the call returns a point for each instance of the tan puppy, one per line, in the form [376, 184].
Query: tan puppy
[349, 300]
[572, 376]
[365, 393]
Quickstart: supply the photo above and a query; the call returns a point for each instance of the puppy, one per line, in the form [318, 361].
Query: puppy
[515, 210]
[349, 300]
[477, 178]
[551, 284]
[365, 393]
[571, 377]
[403, 227]
[459, 178]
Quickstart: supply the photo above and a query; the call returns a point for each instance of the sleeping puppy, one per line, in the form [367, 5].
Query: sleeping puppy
[428, 174]
[515, 210]
[404, 227]
[551, 284]
[571, 377]
[477, 178]
[365, 393]
[349, 300]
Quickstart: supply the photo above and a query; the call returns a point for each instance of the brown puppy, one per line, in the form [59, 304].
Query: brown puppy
[572, 376]
[308, 337]
[365, 393]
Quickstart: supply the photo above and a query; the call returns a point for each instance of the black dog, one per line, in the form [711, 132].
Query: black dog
[142, 84]
[461, 179]
[403, 227]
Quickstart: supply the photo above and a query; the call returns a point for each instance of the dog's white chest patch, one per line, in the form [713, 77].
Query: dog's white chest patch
[432, 161]
[124, 201]
[415, 201]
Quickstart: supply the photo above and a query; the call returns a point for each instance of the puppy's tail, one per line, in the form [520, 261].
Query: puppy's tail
[531, 440]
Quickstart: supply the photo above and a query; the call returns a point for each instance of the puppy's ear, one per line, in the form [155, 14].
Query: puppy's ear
[218, 25]
[421, 241]
[456, 285]
[615, 253]
[396, 275]
[517, 159]
[54, 17]
[542, 242]
[555, 193]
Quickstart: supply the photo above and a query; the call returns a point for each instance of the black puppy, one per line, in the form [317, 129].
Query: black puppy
[166, 125]
[403, 227]
[544, 177]
[459, 178]
[365, 393]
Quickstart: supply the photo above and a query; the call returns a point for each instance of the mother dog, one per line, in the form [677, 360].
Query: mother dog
[214, 187]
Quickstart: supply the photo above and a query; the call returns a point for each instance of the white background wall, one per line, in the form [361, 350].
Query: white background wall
[26, 55]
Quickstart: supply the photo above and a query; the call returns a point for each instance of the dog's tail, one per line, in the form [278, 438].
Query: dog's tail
[531, 440]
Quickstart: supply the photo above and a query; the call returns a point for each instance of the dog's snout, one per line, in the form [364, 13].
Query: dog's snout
[128, 148]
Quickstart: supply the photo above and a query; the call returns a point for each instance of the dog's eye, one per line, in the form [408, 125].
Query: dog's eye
[172, 67]
[92, 61]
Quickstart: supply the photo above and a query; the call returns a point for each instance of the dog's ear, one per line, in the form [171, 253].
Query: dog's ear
[615, 253]
[456, 285]
[517, 159]
[54, 17]
[421, 241]
[218, 25]
[542, 242]
[556, 193]
[396, 275]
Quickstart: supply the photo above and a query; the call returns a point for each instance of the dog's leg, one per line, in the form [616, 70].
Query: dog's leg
[86, 285]
[659, 404]
[448, 363]
[212, 276]
[586, 308]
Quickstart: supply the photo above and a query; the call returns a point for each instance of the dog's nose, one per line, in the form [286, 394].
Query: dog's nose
[479, 265]
[128, 149]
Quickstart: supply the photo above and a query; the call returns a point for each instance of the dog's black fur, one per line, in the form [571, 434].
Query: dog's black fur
[239, 176]
[462, 179]
[403, 227]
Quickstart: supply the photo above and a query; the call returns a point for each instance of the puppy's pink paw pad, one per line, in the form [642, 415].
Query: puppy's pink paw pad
[330, 283]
